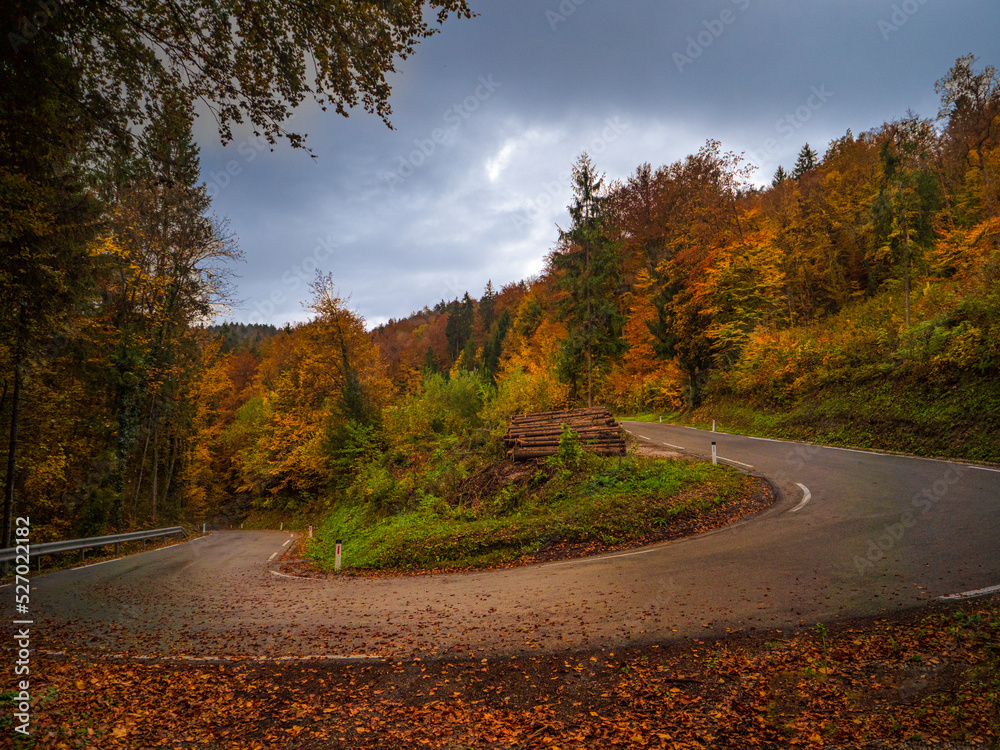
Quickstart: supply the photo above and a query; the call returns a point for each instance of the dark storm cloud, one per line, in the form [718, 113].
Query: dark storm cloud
[490, 114]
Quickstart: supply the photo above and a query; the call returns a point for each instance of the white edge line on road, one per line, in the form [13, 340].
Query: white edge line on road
[158, 549]
[297, 578]
[113, 559]
[644, 437]
[970, 594]
[766, 440]
[846, 450]
[272, 557]
[285, 544]
[806, 497]
[734, 461]
[595, 559]
[79, 567]
[102, 562]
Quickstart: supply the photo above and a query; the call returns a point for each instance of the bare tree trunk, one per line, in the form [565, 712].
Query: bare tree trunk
[8, 495]
[589, 327]
[906, 267]
[985, 173]
[142, 463]
[590, 378]
[138, 481]
[170, 470]
[156, 472]
[15, 415]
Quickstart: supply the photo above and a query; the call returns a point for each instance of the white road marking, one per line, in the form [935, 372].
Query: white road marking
[678, 447]
[734, 461]
[286, 543]
[80, 567]
[652, 440]
[297, 578]
[272, 557]
[806, 497]
[766, 440]
[158, 549]
[598, 559]
[102, 562]
[854, 450]
[105, 562]
[970, 594]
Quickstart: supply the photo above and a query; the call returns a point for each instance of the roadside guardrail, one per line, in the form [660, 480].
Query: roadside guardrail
[37, 551]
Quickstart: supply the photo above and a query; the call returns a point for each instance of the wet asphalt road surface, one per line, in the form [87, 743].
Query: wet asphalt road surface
[853, 534]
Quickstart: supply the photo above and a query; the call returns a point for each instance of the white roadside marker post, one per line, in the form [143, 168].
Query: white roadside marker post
[715, 458]
[713, 425]
[310, 532]
[336, 556]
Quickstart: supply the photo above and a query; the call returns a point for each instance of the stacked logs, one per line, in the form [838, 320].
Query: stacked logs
[537, 435]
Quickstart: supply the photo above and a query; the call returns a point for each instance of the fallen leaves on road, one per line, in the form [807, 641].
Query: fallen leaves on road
[920, 675]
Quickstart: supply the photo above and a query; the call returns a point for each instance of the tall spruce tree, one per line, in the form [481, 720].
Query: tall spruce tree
[458, 329]
[588, 274]
[806, 162]
[486, 313]
[494, 344]
[908, 197]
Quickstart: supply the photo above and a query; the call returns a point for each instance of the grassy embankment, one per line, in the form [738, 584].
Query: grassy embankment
[861, 379]
[495, 513]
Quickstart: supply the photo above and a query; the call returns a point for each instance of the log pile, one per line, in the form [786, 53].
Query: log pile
[537, 435]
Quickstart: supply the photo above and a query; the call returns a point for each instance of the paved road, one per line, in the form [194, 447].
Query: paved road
[878, 533]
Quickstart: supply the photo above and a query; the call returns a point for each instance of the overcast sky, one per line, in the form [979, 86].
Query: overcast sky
[490, 114]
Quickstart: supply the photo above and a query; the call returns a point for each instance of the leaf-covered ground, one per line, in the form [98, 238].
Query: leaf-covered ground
[916, 679]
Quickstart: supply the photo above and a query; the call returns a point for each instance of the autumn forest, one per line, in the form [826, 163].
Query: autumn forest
[871, 265]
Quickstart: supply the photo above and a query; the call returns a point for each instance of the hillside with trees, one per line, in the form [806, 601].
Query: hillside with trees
[855, 299]
[111, 261]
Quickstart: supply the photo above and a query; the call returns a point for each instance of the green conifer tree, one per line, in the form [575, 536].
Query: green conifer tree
[806, 161]
[588, 273]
